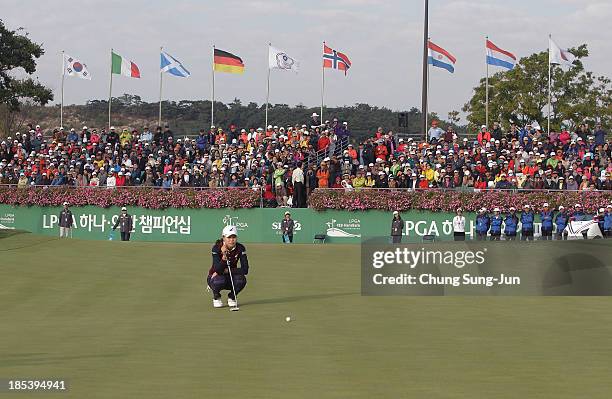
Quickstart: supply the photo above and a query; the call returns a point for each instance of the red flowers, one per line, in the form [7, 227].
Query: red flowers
[121, 196]
[448, 201]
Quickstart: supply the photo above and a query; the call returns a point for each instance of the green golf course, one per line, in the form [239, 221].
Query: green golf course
[133, 320]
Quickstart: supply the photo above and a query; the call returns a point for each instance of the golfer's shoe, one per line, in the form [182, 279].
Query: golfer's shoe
[231, 302]
[217, 303]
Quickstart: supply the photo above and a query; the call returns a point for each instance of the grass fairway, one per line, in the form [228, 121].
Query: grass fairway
[132, 320]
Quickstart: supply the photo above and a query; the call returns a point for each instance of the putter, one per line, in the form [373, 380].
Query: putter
[229, 270]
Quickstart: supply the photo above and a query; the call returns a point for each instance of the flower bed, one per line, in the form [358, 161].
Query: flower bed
[141, 196]
[449, 201]
[389, 200]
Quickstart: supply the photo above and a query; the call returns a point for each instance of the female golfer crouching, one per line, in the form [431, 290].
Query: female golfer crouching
[225, 256]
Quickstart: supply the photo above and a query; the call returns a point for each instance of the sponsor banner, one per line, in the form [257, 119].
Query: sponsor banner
[254, 225]
[470, 268]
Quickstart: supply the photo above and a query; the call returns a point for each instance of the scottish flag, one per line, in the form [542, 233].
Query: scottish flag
[172, 66]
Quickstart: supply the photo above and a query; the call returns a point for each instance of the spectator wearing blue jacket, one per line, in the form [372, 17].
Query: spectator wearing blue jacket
[561, 222]
[511, 224]
[608, 222]
[202, 141]
[482, 224]
[527, 219]
[547, 218]
[496, 225]
[578, 215]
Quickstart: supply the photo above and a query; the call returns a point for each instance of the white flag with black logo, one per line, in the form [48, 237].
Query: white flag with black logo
[74, 67]
[280, 60]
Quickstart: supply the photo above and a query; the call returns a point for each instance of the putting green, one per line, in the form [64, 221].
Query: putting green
[132, 320]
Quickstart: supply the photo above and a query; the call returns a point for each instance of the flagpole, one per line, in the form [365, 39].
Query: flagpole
[212, 102]
[110, 91]
[322, 87]
[160, 91]
[268, 93]
[549, 80]
[427, 105]
[425, 70]
[62, 101]
[487, 87]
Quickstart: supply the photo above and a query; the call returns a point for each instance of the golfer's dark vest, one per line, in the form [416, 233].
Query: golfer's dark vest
[233, 256]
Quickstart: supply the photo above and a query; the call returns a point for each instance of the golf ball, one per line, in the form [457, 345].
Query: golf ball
[287, 318]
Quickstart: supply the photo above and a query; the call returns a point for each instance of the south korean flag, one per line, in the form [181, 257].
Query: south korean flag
[278, 59]
[74, 67]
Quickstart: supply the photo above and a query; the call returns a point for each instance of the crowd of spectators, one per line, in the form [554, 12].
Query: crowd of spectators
[286, 163]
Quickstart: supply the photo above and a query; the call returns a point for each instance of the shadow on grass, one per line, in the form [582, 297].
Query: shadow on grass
[35, 359]
[299, 298]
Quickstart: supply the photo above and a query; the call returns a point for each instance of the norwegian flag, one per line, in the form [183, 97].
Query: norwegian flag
[335, 59]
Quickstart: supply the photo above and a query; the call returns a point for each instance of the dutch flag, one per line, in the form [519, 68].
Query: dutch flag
[499, 57]
[440, 58]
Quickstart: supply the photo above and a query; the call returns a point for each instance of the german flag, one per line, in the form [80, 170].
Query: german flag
[227, 62]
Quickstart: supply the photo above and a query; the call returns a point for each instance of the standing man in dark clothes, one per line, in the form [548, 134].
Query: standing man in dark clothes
[287, 226]
[167, 134]
[397, 226]
[124, 221]
[225, 256]
[112, 137]
[65, 221]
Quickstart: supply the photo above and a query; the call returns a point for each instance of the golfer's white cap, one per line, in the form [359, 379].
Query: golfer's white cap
[287, 213]
[546, 204]
[65, 203]
[496, 210]
[124, 208]
[395, 212]
[230, 231]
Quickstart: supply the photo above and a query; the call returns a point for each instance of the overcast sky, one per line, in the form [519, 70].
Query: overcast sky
[383, 39]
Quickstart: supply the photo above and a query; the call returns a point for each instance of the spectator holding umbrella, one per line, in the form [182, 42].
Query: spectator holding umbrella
[287, 226]
[546, 216]
[124, 221]
[65, 221]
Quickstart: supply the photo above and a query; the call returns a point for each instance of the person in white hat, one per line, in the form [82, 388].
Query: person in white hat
[459, 226]
[561, 221]
[607, 219]
[65, 222]
[397, 227]
[599, 218]
[482, 224]
[125, 224]
[511, 224]
[287, 226]
[496, 224]
[226, 253]
[578, 215]
[527, 220]
[546, 216]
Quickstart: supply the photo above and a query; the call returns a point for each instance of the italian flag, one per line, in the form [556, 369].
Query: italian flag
[122, 66]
